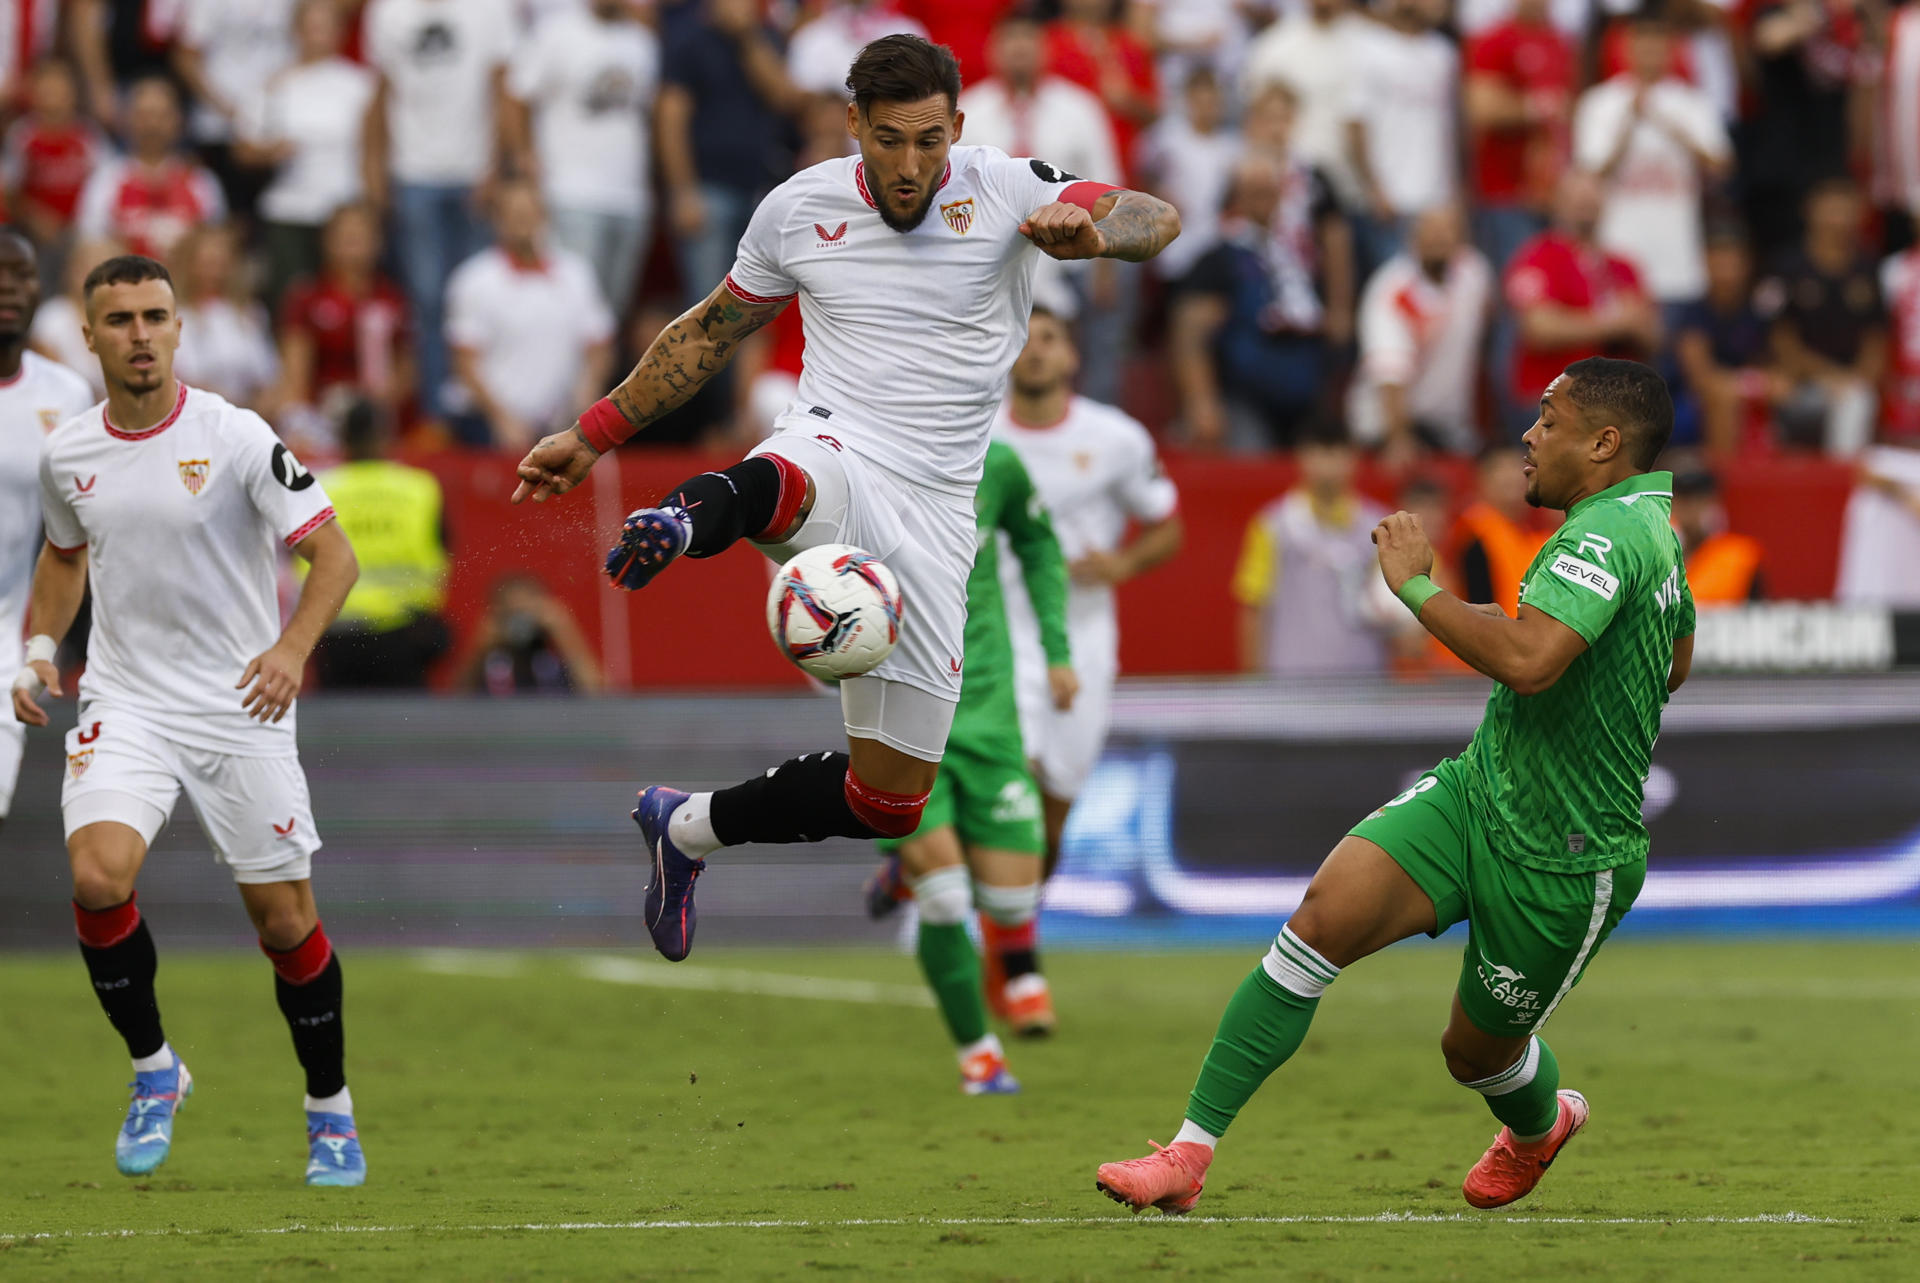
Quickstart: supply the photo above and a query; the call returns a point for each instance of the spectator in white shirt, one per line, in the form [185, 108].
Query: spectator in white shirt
[1188, 158]
[225, 53]
[821, 51]
[1422, 318]
[583, 90]
[530, 332]
[431, 145]
[307, 125]
[226, 344]
[1310, 51]
[1403, 123]
[1656, 142]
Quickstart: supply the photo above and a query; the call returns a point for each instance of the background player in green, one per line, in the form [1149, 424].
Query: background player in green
[1533, 835]
[984, 813]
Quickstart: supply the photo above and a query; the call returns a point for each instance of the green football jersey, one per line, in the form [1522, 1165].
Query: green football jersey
[1557, 777]
[1006, 500]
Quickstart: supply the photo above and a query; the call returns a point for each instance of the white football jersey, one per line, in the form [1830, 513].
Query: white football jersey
[183, 525]
[44, 395]
[1095, 470]
[909, 335]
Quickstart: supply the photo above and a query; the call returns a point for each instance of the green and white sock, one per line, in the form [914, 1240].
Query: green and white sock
[1525, 1095]
[1262, 1027]
[947, 957]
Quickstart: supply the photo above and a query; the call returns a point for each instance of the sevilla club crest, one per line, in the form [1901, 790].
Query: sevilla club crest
[193, 474]
[49, 420]
[958, 215]
[77, 763]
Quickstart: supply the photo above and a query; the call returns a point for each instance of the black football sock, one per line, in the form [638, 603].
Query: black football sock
[756, 498]
[307, 984]
[806, 799]
[121, 961]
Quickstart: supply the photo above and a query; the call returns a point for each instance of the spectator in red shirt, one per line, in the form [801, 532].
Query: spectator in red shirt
[156, 194]
[1089, 46]
[962, 26]
[1519, 99]
[49, 152]
[1572, 299]
[344, 332]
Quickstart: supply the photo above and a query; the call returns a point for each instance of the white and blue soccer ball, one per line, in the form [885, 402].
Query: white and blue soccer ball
[835, 611]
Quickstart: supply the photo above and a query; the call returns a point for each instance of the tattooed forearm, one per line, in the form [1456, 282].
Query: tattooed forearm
[687, 353]
[1138, 227]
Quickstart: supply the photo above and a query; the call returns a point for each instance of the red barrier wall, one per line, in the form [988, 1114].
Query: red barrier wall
[702, 625]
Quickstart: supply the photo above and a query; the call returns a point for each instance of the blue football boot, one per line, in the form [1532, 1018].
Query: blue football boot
[650, 541]
[669, 906]
[147, 1135]
[333, 1150]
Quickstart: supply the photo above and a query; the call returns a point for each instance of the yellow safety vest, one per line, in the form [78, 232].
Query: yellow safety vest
[392, 514]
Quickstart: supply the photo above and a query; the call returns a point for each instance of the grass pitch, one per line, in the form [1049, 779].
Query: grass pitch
[795, 1114]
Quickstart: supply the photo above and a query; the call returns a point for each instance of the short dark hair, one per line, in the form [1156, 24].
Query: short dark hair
[125, 269]
[903, 68]
[1632, 397]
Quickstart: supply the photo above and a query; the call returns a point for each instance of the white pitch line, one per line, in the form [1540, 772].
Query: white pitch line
[930, 1222]
[766, 984]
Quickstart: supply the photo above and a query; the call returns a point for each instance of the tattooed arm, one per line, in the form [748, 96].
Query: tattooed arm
[677, 364]
[1122, 224]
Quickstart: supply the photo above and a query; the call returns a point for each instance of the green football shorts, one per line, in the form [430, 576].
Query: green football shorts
[989, 798]
[1530, 933]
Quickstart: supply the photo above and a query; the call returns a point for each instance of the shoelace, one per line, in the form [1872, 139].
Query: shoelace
[1172, 1155]
[1509, 1160]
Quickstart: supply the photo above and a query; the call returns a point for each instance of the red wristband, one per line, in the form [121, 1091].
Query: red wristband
[604, 426]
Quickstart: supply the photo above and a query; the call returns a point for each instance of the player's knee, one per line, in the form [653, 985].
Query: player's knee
[1469, 1060]
[944, 896]
[1009, 906]
[96, 887]
[886, 815]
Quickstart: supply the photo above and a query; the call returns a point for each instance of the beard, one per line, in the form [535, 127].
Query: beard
[914, 218]
[1032, 386]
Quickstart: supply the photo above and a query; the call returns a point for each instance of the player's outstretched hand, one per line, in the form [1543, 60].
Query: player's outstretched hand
[1064, 231]
[276, 676]
[554, 466]
[1063, 684]
[37, 675]
[1403, 547]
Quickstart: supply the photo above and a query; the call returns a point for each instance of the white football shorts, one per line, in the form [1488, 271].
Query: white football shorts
[13, 746]
[255, 810]
[1064, 747]
[927, 539]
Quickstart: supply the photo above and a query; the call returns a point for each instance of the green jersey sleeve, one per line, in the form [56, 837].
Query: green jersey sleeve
[1042, 565]
[1578, 578]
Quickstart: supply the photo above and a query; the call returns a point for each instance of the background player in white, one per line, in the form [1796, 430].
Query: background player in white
[913, 315]
[176, 504]
[36, 396]
[1096, 471]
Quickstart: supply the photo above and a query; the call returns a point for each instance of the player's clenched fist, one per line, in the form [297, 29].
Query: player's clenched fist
[1404, 550]
[554, 466]
[1064, 231]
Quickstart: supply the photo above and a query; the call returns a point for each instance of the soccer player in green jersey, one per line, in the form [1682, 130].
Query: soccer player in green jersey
[1533, 835]
[981, 839]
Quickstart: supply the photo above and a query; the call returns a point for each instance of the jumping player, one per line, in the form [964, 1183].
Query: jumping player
[1533, 835]
[1097, 473]
[175, 504]
[36, 396]
[913, 264]
[983, 818]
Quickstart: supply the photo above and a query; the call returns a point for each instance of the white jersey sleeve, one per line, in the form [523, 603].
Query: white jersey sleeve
[1027, 184]
[56, 514]
[1145, 490]
[287, 496]
[759, 272]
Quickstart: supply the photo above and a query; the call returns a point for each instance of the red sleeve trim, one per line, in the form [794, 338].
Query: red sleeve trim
[749, 297]
[64, 551]
[1086, 195]
[320, 519]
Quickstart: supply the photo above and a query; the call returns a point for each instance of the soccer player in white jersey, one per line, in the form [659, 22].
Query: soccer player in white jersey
[176, 505]
[1096, 471]
[36, 396]
[913, 264]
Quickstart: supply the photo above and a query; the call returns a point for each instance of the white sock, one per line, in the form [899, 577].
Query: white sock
[341, 1102]
[691, 830]
[162, 1059]
[989, 1043]
[1192, 1131]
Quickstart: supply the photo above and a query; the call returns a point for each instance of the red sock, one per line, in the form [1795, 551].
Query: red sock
[104, 928]
[305, 960]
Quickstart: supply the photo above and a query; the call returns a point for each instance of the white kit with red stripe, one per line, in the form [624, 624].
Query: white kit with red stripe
[183, 526]
[909, 334]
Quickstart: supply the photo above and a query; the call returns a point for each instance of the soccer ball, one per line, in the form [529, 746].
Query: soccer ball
[835, 611]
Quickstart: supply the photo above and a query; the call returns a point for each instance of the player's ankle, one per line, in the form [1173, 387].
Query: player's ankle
[1192, 1133]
